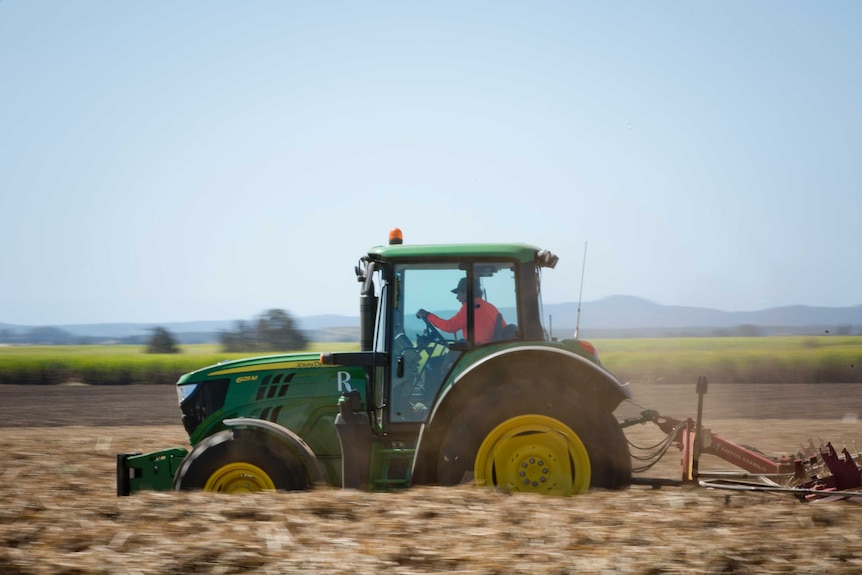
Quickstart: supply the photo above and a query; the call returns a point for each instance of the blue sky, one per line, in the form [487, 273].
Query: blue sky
[176, 161]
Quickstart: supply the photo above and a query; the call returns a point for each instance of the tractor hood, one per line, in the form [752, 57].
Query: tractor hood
[253, 364]
[284, 389]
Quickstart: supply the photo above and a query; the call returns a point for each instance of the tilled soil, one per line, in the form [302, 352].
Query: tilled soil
[59, 512]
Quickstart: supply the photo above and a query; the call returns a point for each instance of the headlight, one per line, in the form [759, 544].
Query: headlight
[184, 391]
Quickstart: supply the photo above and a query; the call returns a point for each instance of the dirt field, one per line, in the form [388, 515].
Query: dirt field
[59, 512]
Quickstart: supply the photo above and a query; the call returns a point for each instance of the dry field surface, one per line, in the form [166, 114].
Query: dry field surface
[59, 513]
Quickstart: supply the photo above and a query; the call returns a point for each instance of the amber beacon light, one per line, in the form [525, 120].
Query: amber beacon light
[395, 237]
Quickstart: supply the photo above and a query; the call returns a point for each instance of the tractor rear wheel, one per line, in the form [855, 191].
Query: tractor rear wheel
[533, 453]
[558, 444]
[239, 461]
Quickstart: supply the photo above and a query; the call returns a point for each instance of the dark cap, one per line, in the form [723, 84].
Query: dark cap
[462, 287]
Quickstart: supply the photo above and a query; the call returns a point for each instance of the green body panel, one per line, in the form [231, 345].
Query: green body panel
[294, 390]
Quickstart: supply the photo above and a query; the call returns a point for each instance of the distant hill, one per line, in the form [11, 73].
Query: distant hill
[628, 316]
[615, 316]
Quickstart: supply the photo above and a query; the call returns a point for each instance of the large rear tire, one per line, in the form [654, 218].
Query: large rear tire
[533, 453]
[560, 444]
[242, 460]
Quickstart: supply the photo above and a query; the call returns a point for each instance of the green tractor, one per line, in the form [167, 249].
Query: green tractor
[497, 402]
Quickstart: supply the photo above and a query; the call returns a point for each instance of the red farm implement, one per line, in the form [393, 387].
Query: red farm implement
[814, 473]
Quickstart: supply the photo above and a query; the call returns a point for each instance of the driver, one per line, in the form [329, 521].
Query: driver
[485, 315]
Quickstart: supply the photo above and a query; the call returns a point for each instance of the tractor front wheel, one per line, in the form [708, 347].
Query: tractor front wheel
[241, 461]
[239, 477]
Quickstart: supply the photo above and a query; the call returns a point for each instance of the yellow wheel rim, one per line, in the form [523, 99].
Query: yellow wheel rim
[533, 453]
[239, 477]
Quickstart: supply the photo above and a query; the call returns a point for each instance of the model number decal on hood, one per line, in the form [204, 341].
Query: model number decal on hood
[270, 366]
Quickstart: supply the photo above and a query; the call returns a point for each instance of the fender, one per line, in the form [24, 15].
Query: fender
[296, 444]
[611, 385]
[293, 440]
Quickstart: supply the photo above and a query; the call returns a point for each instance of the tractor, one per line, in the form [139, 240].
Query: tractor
[508, 406]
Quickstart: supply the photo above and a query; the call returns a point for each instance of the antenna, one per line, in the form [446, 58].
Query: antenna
[580, 293]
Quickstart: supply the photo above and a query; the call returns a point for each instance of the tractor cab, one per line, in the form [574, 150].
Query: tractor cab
[416, 321]
[422, 352]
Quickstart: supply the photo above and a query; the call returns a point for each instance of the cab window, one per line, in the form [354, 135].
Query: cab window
[423, 351]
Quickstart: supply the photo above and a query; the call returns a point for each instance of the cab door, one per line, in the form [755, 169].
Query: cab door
[421, 355]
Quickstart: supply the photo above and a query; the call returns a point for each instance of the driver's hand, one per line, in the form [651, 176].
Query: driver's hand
[422, 314]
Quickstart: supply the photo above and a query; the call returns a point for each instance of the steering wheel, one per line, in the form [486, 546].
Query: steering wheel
[436, 336]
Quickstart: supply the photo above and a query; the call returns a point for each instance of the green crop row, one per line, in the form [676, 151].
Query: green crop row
[823, 359]
[112, 364]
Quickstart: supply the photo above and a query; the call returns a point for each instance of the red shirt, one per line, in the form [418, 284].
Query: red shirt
[484, 314]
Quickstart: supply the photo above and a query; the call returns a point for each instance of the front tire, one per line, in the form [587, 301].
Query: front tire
[242, 461]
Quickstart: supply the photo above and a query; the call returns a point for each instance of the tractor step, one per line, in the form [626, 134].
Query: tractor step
[391, 468]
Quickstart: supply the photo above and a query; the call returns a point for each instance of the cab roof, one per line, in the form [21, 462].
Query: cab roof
[522, 253]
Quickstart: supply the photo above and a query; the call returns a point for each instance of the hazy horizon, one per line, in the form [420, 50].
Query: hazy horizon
[355, 314]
